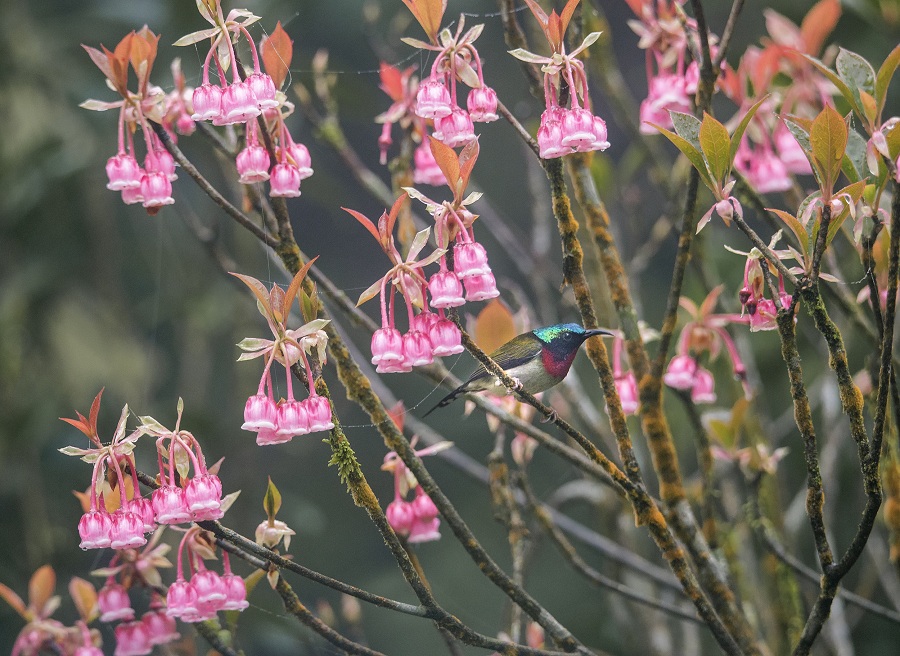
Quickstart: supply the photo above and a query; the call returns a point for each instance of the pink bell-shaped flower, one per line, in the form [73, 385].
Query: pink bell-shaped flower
[577, 129]
[424, 321]
[170, 506]
[424, 530]
[768, 174]
[132, 195]
[298, 155]
[235, 590]
[161, 161]
[143, 508]
[114, 603]
[203, 612]
[470, 259]
[456, 129]
[203, 497]
[207, 102]
[284, 181]
[481, 288]
[239, 104]
[209, 587]
[387, 347]
[263, 89]
[253, 164]
[433, 99]
[184, 124]
[259, 413]
[626, 386]
[400, 516]
[394, 368]
[446, 290]
[181, 599]
[292, 420]
[680, 372]
[550, 134]
[423, 506]
[425, 167]
[93, 528]
[160, 627]
[123, 172]
[703, 390]
[790, 152]
[269, 436]
[127, 531]
[417, 349]
[482, 105]
[318, 409]
[156, 189]
[88, 650]
[445, 338]
[600, 142]
[132, 639]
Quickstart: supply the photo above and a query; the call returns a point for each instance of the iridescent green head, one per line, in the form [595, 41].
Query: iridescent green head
[563, 339]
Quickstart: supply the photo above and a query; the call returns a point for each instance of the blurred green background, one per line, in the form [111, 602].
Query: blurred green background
[95, 294]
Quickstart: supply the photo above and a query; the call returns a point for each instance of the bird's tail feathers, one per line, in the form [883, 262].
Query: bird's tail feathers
[447, 400]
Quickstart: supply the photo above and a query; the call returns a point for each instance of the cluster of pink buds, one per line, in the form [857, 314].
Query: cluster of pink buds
[762, 311]
[704, 334]
[436, 98]
[670, 84]
[179, 105]
[197, 498]
[415, 520]
[573, 128]
[276, 422]
[206, 592]
[135, 637]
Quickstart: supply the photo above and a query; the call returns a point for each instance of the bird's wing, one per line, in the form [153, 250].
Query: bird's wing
[503, 356]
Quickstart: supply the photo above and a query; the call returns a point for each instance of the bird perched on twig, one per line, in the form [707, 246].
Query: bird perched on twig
[537, 360]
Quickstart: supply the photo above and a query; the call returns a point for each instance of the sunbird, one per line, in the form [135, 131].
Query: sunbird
[538, 360]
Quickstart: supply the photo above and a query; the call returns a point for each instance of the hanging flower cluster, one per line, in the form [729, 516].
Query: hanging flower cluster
[770, 153]
[430, 333]
[670, 82]
[150, 184]
[704, 333]
[564, 129]
[278, 422]
[415, 520]
[243, 100]
[206, 592]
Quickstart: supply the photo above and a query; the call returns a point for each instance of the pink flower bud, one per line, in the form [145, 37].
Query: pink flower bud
[207, 102]
[114, 603]
[446, 290]
[298, 155]
[470, 259]
[184, 124]
[203, 496]
[235, 593]
[319, 410]
[132, 195]
[424, 321]
[143, 508]
[626, 386]
[94, 528]
[284, 180]
[550, 134]
[162, 162]
[790, 152]
[400, 516]
[292, 420]
[264, 89]
[253, 164]
[239, 104]
[123, 172]
[209, 587]
[160, 627]
[387, 347]
[426, 169]
[425, 530]
[600, 142]
[456, 129]
[433, 99]
[423, 507]
[482, 105]
[703, 390]
[577, 129]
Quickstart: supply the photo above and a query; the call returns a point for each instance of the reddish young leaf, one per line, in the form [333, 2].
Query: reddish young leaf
[538, 12]
[259, 290]
[14, 600]
[467, 158]
[446, 160]
[494, 326]
[366, 223]
[567, 12]
[429, 13]
[95, 410]
[40, 587]
[819, 23]
[391, 81]
[101, 61]
[84, 595]
[277, 49]
[397, 414]
[392, 217]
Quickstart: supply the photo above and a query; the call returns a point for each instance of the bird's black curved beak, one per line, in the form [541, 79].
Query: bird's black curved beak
[597, 331]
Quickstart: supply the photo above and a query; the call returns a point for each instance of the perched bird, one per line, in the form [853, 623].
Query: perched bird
[538, 360]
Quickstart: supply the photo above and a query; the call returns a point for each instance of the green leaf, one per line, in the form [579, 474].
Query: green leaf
[828, 140]
[846, 91]
[272, 500]
[716, 146]
[856, 72]
[690, 151]
[795, 226]
[854, 163]
[418, 243]
[742, 126]
[885, 73]
[687, 126]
